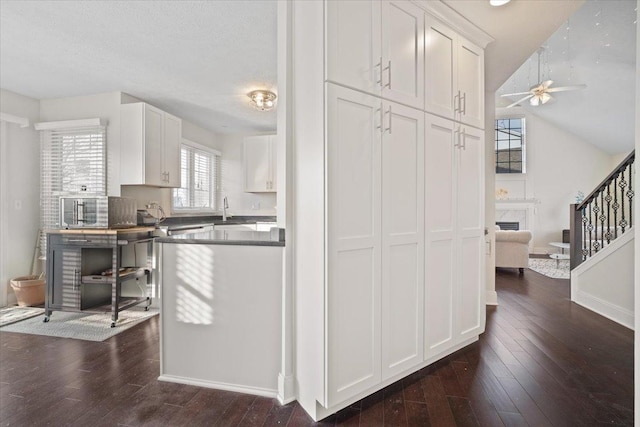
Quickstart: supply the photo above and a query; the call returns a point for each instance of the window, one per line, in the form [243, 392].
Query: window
[199, 167]
[510, 152]
[73, 161]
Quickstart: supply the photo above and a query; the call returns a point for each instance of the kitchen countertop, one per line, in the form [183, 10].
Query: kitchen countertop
[174, 223]
[275, 237]
[101, 230]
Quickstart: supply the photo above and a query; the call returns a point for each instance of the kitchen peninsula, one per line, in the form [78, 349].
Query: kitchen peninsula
[221, 309]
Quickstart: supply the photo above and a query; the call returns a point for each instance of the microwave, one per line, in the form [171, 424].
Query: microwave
[97, 212]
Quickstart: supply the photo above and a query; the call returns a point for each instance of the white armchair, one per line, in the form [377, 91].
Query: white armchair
[512, 248]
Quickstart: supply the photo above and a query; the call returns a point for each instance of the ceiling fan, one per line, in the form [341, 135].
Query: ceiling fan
[540, 94]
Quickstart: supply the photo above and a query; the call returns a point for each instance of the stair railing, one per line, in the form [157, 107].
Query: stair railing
[604, 215]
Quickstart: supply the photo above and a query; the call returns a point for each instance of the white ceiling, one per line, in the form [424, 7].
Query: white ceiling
[199, 59]
[194, 59]
[595, 47]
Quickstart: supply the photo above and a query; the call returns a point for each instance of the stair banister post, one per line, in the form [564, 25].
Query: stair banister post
[575, 236]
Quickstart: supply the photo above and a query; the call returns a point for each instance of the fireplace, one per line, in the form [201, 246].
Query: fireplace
[508, 225]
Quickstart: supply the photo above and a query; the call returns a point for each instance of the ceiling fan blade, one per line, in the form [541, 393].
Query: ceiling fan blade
[545, 85]
[517, 93]
[566, 88]
[520, 100]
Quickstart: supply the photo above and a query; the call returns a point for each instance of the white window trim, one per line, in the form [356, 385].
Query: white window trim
[190, 211]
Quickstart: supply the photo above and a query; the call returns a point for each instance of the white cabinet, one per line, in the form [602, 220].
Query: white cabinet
[454, 177]
[375, 205]
[377, 47]
[402, 239]
[454, 75]
[259, 162]
[389, 223]
[150, 146]
[354, 243]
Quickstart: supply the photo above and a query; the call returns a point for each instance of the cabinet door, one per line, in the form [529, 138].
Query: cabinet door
[353, 44]
[440, 228]
[153, 130]
[402, 53]
[471, 83]
[256, 160]
[402, 239]
[353, 244]
[172, 136]
[440, 62]
[470, 211]
[65, 277]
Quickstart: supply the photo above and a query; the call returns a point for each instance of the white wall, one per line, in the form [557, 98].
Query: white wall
[489, 205]
[241, 203]
[559, 164]
[613, 268]
[20, 207]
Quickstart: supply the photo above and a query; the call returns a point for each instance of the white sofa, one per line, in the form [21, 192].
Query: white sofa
[512, 248]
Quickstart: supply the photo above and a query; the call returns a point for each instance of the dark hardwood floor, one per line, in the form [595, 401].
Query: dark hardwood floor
[542, 361]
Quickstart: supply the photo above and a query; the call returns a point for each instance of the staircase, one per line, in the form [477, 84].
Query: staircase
[602, 246]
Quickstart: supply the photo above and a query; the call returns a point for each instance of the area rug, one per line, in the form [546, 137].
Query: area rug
[81, 326]
[13, 314]
[550, 268]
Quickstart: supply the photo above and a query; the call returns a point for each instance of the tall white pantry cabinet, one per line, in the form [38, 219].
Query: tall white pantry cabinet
[389, 211]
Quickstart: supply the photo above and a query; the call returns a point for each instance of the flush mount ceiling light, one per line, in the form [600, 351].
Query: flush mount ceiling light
[262, 100]
[498, 2]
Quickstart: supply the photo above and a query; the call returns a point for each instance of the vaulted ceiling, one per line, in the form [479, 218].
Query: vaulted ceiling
[596, 47]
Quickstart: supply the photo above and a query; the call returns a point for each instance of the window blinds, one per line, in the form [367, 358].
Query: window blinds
[73, 162]
[199, 174]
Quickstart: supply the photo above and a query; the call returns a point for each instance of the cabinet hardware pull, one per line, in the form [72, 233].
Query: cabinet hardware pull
[381, 119]
[457, 104]
[388, 67]
[463, 107]
[463, 145]
[388, 129]
[390, 113]
[79, 240]
[456, 138]
[379, 64]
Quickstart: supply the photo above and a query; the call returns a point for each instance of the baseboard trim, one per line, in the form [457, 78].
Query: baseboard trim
[258, 391]
[604, 308]
[286, 389]
[491, 298]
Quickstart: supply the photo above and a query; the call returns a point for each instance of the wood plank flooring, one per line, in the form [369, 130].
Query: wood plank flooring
[543, 361]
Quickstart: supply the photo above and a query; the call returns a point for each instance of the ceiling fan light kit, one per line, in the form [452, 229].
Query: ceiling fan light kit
[540, 94]
[498, 2]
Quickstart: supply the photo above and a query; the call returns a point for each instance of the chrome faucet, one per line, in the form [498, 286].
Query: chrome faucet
[225, 206]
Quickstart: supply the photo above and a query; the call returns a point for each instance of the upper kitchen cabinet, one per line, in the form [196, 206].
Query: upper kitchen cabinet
[454, 75]
[376, 47]
[150, 152]
[259, 161]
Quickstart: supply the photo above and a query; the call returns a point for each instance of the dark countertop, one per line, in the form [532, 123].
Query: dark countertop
[229, 237]
[176, 223]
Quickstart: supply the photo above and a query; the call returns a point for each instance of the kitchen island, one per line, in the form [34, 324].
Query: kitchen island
[221, 299]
